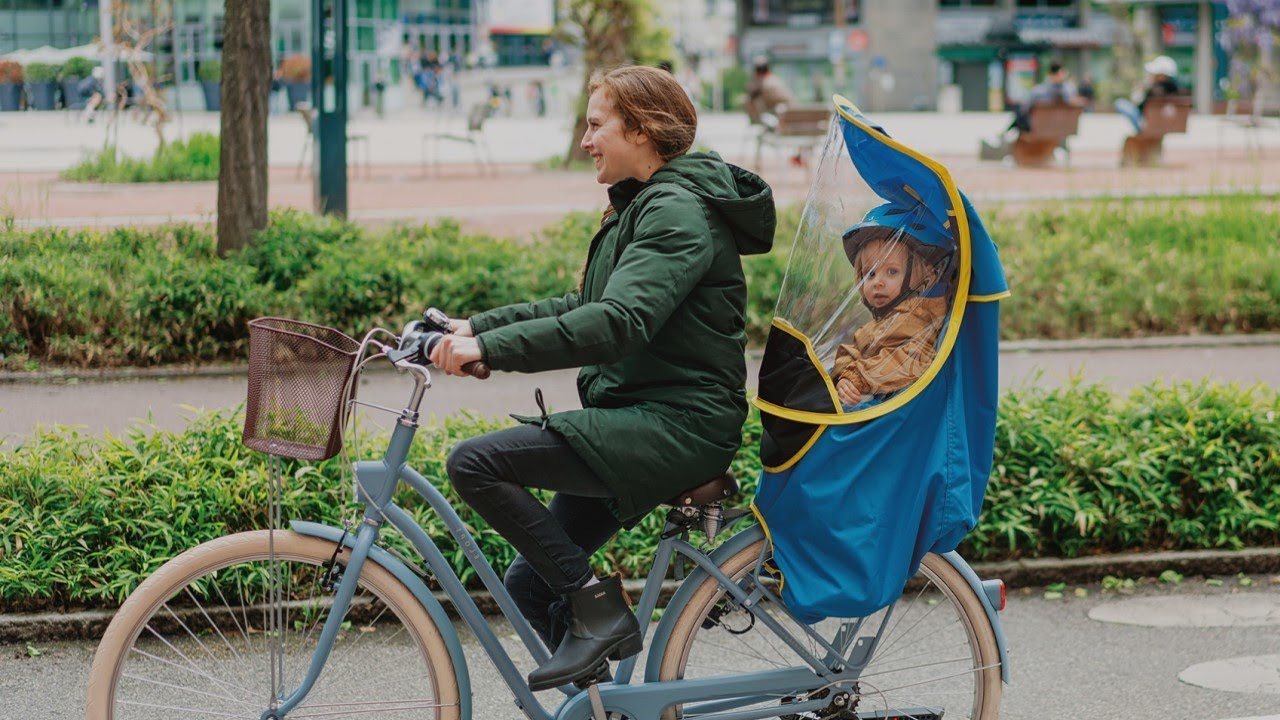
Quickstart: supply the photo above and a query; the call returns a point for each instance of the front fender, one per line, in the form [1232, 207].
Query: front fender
[429, 602]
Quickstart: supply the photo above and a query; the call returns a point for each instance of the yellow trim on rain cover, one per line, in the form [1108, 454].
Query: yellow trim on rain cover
[989, 298]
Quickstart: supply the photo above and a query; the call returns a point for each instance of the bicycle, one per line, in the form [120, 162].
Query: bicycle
[321, 621]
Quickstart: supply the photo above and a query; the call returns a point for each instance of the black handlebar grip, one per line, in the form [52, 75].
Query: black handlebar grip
[476, 369]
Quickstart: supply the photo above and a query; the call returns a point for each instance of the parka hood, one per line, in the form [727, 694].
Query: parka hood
[741, 197]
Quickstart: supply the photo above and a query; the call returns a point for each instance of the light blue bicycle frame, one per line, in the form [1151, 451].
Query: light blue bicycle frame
[719, 697]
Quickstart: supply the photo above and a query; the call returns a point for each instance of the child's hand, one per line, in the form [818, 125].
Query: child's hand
[849, 392]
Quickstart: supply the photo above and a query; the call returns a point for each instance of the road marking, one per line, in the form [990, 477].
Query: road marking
[1243, 610]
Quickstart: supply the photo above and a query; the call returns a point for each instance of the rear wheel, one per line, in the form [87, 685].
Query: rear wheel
[192, 640]
[938, 656]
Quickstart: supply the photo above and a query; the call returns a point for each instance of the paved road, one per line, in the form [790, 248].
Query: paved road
[1066, 661]
[167, 403]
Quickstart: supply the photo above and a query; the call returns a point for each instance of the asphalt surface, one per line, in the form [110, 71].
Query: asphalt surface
[167, 402]
[1063, 663]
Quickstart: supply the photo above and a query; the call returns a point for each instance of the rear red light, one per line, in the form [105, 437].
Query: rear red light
[1002, 597]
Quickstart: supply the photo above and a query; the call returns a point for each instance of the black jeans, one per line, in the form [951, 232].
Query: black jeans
[493, 472]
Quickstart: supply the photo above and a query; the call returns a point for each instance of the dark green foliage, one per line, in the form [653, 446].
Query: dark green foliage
[1126, 269]
[77, 67]
[1079, 470]
[83, 298]
[193, 159]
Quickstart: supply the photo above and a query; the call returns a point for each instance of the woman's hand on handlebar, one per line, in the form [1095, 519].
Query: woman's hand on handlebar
[461, 328]
[454, 351]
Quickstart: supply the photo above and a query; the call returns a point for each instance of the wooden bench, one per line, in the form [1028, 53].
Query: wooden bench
[799, 127]
[1051, 124]
[1160, 116]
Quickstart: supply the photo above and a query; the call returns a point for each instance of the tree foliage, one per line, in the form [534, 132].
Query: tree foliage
[1251, 35]
[611, 33]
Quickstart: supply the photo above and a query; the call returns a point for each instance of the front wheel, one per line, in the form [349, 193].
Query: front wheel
[937, 658]
[193, 640]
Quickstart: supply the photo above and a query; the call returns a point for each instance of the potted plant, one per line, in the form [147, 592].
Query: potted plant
[42, 84]
[74, 70]
[10, 86]
[210, 75]
[295, 74]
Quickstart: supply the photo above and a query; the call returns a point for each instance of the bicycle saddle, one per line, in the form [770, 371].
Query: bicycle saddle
[717, 489]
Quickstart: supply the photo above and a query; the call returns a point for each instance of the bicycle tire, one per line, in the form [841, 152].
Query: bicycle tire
[693, 650]
[201, 668]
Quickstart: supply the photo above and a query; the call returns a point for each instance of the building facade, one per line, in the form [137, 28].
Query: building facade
[386, 37]
[980, 55]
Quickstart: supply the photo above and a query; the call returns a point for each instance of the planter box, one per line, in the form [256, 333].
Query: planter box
[10, 97]
[298, 93]
[42, 95]
[212, 95]
[71, 99]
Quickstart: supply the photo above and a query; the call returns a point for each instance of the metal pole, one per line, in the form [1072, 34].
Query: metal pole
[1204, 59]
[838, 69]
[106, 29]
[329, 98]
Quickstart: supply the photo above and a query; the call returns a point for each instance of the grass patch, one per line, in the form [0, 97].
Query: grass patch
[193, 159]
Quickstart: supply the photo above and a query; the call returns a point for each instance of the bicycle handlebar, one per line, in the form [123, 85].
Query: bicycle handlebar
[420, 337]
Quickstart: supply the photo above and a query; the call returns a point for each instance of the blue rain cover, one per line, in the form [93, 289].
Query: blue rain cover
[851, 519]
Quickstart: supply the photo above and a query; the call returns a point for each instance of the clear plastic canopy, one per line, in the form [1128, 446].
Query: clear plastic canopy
[878, 276]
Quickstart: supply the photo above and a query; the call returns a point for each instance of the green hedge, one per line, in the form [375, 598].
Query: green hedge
[1079, 470]
[194, 159]
[160, 295]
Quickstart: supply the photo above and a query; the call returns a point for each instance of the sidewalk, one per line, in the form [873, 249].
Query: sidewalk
[1213, 157]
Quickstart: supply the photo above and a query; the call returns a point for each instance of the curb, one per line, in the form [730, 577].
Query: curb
[1180, 342]
[90, 624]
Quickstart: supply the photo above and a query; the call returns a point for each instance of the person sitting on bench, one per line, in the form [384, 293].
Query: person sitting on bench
[1057, 88]
[1161, 82]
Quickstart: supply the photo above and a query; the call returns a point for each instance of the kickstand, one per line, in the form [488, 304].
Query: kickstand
[597, 705]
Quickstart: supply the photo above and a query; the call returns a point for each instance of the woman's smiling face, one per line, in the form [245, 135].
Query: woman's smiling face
[618, 154]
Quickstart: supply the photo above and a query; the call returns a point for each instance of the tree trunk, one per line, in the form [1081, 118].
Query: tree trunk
[246, 85]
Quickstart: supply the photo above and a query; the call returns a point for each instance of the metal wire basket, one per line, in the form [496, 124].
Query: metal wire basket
[298, 385]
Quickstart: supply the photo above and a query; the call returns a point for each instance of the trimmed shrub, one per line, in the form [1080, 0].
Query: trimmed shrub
[1078, 470]
[209, 71]
[1101, 270]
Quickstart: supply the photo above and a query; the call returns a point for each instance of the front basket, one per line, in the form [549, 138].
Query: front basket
[298, 374]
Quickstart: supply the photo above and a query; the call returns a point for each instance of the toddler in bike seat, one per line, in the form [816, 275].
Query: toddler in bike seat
[898, 278]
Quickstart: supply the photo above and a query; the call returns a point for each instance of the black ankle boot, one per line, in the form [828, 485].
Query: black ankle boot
[603, 628]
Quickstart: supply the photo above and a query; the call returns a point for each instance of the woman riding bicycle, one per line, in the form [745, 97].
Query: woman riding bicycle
[658, 327]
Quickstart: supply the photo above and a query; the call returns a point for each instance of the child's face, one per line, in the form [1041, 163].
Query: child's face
[885, 264]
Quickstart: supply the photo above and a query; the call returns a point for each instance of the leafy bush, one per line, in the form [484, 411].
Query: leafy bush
[10, 72]
[193, 159]
[40, 72]
[1102, 270]
[209, 71]
[1078, 470]
[77, 67]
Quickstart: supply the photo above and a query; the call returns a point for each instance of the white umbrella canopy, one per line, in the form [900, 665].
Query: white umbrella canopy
[57, 56]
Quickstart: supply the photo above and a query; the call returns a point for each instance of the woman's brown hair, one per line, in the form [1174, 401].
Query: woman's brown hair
[650, 101]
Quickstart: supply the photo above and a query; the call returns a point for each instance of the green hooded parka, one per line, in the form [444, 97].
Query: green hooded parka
[658, 328]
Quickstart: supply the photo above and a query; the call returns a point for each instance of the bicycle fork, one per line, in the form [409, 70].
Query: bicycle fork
[365, 538]
[375, 484]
